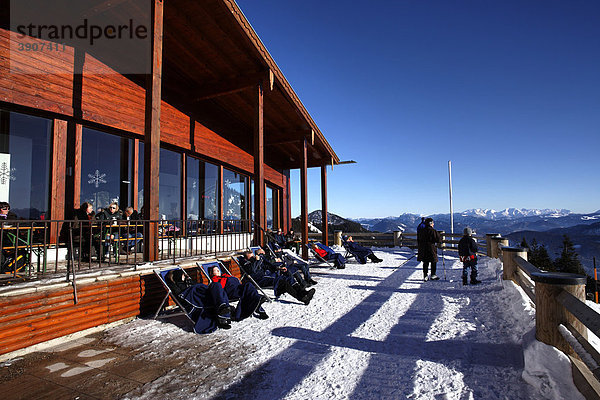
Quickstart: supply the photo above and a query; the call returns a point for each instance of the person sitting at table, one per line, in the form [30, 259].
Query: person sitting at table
[329, 255]
[360, 252]
[292, 241]
[111, 213]
[82, 227]
[134, 230]
[250, 302]
[5, 213]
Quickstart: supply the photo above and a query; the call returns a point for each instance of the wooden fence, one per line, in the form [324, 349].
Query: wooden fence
[562, 318]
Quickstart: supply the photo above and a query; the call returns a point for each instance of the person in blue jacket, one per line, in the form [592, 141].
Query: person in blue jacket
[249, 300]
[467, 251]
[421, 225]
[207, 305]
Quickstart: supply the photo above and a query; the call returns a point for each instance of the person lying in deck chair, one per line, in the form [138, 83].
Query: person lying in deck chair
[328, 254]
[250, 302]
[275, 276]
[210, 303]
[292, 264]
[361, 253]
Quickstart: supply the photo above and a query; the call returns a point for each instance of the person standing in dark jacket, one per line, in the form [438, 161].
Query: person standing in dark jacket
[421, 226]
[467, 251]
[427, 240]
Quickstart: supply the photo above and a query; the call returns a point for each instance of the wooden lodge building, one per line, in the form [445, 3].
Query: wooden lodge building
[210, 132]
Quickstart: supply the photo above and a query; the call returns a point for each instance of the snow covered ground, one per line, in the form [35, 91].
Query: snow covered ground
[371, 331]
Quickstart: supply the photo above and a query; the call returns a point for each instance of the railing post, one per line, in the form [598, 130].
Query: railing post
[495, 243]
[337, 238]
[488, 242]
[550, 313]
[397, 239]
[443, 236]
[508, 261]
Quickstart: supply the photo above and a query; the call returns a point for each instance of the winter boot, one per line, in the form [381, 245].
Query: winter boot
[224, 316]
[474, 280]
[434, 277]
[465, 281]
[307, 296]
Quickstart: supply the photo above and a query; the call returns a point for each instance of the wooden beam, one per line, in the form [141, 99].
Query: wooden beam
[77, 165]
[304, 198]
[59, 160]
[152, 135]
[259, 165]
[220, 208]
[57, 178]
[289, 141]
[228, 86]
[324, 218]
[135, 179]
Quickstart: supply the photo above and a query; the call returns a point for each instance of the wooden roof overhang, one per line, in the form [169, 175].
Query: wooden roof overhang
[213, 62]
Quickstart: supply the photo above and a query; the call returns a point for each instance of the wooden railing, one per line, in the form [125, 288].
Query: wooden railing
[400, 239]
[563, 319]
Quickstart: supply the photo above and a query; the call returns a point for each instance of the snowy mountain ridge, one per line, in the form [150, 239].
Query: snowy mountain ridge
[511, 213]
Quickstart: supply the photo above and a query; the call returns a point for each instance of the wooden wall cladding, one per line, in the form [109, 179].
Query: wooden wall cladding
[109, 99]
[30, 319]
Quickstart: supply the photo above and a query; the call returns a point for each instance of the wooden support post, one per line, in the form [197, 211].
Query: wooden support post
[324, 211]
[550, 313]
[220, 208]
[508, 261]
[152, 135]
[397, 238]
[136, 180]
[259, 166]
[77, 166]
[337, 238]
[494, 246]
[488, 243]
[57, 180]
[304, 198]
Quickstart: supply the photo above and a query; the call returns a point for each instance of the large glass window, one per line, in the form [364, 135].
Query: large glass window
[140, 203]
[272, 198]
[170, 185]
[193, 188]
[270, 207]
[208, 190]
[234, 195]
[25, 164]
[106, 169]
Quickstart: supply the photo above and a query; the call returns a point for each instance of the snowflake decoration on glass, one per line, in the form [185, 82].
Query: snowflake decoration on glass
[97, 178]
[6, 174]
[194, 183]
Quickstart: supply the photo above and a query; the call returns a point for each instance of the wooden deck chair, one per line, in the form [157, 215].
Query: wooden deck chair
[185, 307]
[318, 257]
[245, 275]
[349, 254]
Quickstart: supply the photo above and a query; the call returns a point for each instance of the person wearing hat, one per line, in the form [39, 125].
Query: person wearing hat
[467, 251]
[427, 239]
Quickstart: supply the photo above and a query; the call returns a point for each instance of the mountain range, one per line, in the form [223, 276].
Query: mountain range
[547, 226]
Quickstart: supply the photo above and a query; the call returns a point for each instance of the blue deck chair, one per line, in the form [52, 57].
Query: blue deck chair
[185, 307]
[318, 257]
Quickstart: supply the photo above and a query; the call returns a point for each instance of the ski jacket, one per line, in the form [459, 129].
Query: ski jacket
[427, 239]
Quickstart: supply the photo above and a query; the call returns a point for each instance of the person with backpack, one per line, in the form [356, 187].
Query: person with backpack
[427, 240]
[467, 251]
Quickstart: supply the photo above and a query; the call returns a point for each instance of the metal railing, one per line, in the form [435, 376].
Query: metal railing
[31, 249]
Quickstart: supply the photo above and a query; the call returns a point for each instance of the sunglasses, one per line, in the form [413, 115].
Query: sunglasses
[113, 208]
[4, 208]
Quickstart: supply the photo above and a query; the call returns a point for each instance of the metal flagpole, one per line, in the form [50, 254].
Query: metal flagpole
[450, 185]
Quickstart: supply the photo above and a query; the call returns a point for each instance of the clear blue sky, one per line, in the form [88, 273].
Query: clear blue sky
[507, 90]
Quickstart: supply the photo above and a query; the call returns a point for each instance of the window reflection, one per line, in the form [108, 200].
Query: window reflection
[25, 164]
[106, 169]
[170, 185]
[209, 191]
[234, 195]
